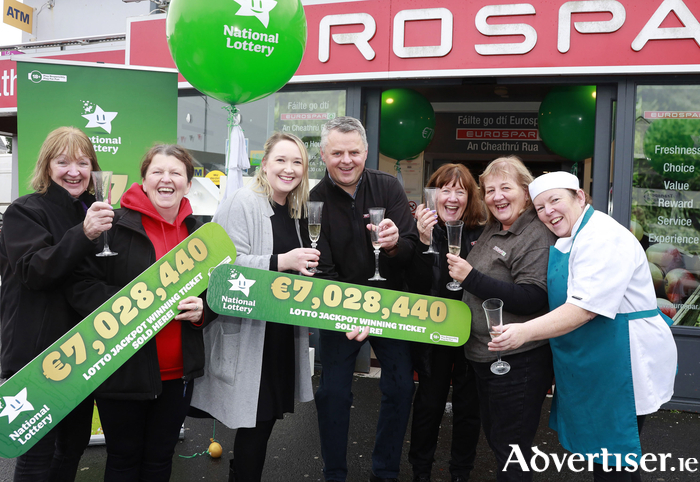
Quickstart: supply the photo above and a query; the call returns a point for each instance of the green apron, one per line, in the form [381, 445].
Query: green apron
[593, 406]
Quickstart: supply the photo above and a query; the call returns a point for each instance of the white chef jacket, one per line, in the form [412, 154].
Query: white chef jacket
[609, 274]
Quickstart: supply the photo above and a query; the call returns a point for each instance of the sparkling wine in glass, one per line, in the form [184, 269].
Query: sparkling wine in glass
[430, 194]
[375, 217]
[102, 180]
[314, 208]
[454, 243]
[493, 307]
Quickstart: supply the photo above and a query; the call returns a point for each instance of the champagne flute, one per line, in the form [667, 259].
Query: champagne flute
[102, 180]
[375, 217]
[493, 307]
[454, 245]
[314, 208]
[430, 195]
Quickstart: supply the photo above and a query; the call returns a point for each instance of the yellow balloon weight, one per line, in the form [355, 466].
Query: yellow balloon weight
[215, 450]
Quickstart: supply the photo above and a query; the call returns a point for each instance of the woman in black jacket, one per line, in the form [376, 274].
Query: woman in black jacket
[45, 235]
[437, 366]
[144, 403]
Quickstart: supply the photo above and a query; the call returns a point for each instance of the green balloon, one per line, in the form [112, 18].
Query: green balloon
[671, 150]
[567, 121]
[407, 124]
[236, 51]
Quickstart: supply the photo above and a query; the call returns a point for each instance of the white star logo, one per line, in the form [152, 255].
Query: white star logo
[16, 405]
[259, 9]
[241, 284]
[100, 118]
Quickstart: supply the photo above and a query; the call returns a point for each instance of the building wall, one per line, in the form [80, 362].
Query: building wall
[82, 18]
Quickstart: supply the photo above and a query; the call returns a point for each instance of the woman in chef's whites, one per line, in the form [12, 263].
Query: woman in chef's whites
[614, 355]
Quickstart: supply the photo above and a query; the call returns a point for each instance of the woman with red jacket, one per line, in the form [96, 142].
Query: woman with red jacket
[144, 403]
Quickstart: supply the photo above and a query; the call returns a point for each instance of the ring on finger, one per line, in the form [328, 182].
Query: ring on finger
[307, 265]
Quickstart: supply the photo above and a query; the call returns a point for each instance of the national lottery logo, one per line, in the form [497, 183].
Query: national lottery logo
[247, 39]
[40, 420]
[16, 405]
[241, 284]
[97, 116]
[259, 9]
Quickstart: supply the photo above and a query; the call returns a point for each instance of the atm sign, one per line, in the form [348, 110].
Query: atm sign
[18, 15]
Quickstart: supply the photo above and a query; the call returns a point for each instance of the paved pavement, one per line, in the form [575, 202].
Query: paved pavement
[294, 452]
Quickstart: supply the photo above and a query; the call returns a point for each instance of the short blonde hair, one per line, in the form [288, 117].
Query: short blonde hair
[511, 167]
[69, 139]
[296, 200]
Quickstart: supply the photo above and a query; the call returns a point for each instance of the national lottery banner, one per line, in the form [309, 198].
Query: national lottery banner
[40, 395]
[331, 305]
[124, 110]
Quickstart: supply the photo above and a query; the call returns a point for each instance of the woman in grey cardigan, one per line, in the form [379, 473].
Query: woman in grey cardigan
[256, 370]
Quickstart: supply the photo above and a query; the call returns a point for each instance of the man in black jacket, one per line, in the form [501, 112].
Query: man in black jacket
[348, 191]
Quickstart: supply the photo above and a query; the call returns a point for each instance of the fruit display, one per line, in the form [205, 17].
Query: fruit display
[675, 277]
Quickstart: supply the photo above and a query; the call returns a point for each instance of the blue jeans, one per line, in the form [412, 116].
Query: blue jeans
[511, 405]
[56, 456]
[334, 398]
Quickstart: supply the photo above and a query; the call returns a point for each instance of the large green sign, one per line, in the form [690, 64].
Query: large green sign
[42, 393]
[331, 305]
[124, 111]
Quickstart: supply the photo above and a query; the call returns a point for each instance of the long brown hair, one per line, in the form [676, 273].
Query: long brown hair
[475, 212]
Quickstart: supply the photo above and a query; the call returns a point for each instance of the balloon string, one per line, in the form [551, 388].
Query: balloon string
[234, 116]
[206, 452]
[194, 455]
[397, 166]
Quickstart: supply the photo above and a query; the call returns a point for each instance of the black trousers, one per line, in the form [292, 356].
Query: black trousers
[250, 449]
[446, 364]
[56, 456]
[511, 405]
[141, 434]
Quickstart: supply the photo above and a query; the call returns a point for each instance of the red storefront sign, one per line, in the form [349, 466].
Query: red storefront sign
[394, 39]
[454, 38]
[517, 134]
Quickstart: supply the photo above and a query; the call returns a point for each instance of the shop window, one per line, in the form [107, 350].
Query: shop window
[666, 195]
[202, 125]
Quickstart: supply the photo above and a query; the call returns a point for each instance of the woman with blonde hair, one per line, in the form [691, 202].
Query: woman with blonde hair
[509, 262]
[45, 235]
[255, 370]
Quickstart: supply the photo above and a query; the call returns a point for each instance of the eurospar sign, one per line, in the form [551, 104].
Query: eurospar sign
[393, 39]
[376, 39]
